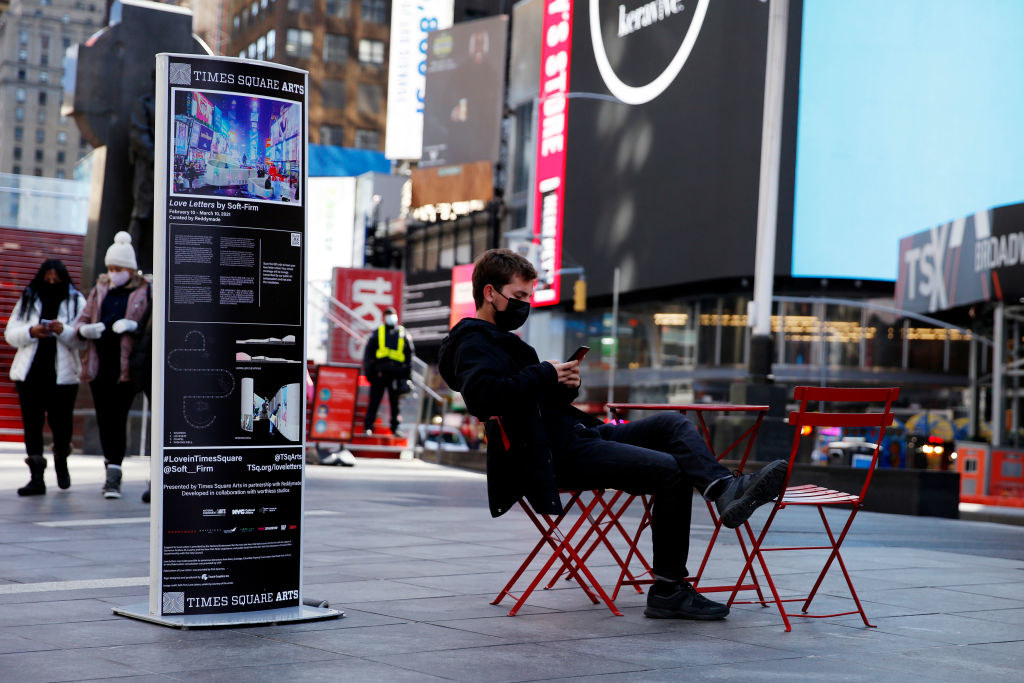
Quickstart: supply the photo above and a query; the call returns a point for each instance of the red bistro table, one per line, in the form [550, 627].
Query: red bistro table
[744, 440]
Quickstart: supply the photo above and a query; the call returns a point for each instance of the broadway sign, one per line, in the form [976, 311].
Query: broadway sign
[976, 258]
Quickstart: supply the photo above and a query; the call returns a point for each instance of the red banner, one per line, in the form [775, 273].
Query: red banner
[334, 403]
[553, 124]
[367, 292]
[463, 305]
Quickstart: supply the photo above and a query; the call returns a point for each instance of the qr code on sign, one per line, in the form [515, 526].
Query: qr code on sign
[174, 603]
[296, 239]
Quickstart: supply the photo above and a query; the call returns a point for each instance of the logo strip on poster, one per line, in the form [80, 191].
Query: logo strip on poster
[553, 118]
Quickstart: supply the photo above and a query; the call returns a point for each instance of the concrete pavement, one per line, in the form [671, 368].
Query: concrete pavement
[409, 552]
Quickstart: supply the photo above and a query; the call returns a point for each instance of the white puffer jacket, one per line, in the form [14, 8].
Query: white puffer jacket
[69, 365]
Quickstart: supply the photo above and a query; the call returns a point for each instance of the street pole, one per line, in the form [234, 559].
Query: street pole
[768, 193]
[615, 336]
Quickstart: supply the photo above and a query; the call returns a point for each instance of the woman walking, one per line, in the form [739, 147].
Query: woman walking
[46, 367]
[115, 314]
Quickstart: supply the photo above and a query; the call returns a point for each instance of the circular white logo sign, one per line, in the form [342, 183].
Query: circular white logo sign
[644, 93]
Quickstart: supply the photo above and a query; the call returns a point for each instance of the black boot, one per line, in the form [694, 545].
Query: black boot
[747, 492]
[60, 466]
[112, 485]
[35, 486]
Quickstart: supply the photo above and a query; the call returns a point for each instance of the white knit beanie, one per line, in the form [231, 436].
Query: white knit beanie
[121, 252]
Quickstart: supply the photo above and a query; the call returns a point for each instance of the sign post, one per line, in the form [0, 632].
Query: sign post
[228, 345]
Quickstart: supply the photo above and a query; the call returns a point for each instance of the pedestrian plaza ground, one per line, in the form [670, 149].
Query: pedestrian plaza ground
[409, 552]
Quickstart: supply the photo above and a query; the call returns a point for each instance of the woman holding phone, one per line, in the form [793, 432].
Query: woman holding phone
[46, 367]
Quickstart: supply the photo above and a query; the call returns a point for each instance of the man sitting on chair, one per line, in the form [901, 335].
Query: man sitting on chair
[553, 445]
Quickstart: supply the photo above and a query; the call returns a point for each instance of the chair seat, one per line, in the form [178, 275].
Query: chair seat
[809, 494]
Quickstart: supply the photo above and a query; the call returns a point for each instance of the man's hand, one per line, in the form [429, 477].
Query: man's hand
[568, 373]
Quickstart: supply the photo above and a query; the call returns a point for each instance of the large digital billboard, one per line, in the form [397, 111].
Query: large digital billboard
[910, 117]
[662, 147]
[465, 92]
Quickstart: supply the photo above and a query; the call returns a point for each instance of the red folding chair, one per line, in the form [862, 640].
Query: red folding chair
[564, 548]
[819, 496]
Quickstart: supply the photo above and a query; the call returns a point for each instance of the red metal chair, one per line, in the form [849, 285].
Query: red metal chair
[565, 547]
[819, 496]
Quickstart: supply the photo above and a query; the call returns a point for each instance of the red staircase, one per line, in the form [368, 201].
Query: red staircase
[21, 252]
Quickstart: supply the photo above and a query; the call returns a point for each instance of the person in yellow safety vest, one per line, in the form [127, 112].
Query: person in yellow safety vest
[387, 364]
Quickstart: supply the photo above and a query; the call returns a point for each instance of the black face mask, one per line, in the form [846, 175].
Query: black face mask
[52, 291]
[514, 315]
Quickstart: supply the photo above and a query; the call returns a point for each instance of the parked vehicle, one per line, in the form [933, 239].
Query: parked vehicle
[450, 437]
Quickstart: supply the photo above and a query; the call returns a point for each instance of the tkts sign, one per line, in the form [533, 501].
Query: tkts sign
[972, 259]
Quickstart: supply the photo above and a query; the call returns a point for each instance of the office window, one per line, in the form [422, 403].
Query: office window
[298, 43]
[60, 175]
[332, 135]
[261, 48]
[333, 93]
[17, 171]
[370, 98]
[338, 8]
[44, 58]
[367, 139]
[44, 76]
[241, 55]
[40, 135]
[263, 4]
[17, 153]
[335, 48]
[19, 133]
[62, 137]
[41, 116]
[252, 50]
[23, 55]
[300, 5]
[20, 95]
[21, 74]
[39, 155]
[374, 10]
[371, 51]
[19, 113]
[271, 43]
[65, 42]
[42, 97]
[38, 171]
[237, 21]
[255, 8]
[61, 156]
[44, 41]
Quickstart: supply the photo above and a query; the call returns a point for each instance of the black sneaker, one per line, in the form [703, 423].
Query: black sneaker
[682, 603]
[747, 492]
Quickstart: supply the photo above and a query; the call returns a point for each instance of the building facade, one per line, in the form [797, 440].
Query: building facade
[35, 138]
[344, 46]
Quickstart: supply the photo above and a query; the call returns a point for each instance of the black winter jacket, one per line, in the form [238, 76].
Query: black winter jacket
[499, 375]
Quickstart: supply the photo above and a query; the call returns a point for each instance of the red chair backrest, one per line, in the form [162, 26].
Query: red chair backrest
[830, 417]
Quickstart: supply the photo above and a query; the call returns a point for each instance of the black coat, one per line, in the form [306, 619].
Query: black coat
[499, 375]
[385, 370]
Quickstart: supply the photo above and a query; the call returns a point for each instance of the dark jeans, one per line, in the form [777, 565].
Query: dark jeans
[53, 403]
[377, 388]
[113, 401]
[663, 455]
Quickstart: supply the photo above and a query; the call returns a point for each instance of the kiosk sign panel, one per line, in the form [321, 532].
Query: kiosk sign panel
[229, 337]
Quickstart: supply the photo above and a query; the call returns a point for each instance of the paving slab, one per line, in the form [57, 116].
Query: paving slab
[410, 553]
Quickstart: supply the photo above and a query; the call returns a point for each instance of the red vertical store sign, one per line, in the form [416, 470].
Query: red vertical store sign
[553, 124]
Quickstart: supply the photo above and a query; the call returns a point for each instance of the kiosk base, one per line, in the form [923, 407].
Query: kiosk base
[268, 617]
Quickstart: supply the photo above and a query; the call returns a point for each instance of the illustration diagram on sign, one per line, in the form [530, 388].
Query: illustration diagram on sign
[281, 412]
[210, 384]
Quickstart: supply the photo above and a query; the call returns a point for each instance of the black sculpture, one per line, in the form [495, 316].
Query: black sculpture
[113, 76]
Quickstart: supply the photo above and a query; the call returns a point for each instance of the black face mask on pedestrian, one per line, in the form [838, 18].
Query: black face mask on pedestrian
[515, 314]
[52, 291]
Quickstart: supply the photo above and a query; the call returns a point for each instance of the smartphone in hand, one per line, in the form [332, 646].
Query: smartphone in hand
[578, 354]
